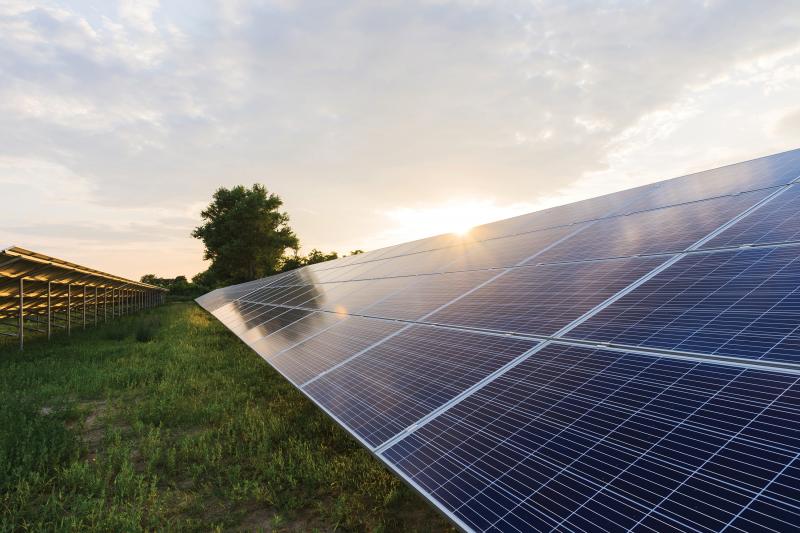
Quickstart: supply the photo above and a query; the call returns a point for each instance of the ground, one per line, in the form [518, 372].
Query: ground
[165, 420]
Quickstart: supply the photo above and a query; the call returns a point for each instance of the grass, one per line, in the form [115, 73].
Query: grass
[166, 421]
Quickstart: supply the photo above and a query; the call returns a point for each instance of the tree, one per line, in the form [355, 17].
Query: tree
[290, 262]
[245, 235]
[178, 286]
[357, 252]
[318, 256]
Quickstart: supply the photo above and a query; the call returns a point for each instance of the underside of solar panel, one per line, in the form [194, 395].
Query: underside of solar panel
[629, 362]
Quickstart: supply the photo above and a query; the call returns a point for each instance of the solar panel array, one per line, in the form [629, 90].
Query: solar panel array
[629, 362]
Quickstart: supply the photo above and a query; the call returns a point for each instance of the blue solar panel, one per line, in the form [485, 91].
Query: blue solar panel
[743, 303]
[273, 342]
[270, 322]
[365, 294]
[621, 363]
[405, 265]
[351, 296]
[392, 385]
[778, 221]
[427, 293]
[509, 251]
[765, 172]
[667, 229]
[328, 348]
[543, 299]
[580, 439]
[251, 315]
[554, 217]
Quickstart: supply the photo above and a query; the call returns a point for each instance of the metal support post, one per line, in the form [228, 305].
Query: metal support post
[69, 309]
[21, 313]
[49, 312]
[84, 307]
[95, 305]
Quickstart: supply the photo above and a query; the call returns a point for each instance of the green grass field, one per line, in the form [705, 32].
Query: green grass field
[166, 421]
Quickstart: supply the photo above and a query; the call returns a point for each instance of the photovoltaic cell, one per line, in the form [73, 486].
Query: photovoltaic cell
[543, 299]
[296, 332]
[366, 294]
[743, 303]
[220, 297]
[395, 383]
[426, 294]
[507, 251]
[579, 439]
[563, 215]
[249, 316]
[765, 172]
[778, 221]
[274, 320]
[409, 265]
[271, 295]
[667, 229]
[328, 348]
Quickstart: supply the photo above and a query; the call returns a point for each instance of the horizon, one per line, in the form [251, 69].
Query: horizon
[396, 122]
[460, 230]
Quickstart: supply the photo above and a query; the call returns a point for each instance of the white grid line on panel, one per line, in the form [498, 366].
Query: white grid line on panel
[433, 414]
[760, 492]
[712, 456]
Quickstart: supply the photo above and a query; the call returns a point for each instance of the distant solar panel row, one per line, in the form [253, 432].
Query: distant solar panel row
[629, 362]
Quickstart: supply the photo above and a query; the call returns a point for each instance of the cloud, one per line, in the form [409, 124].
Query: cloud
[353, 109]
[789, 125]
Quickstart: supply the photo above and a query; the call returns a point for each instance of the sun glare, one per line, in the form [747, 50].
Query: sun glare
[457, 217]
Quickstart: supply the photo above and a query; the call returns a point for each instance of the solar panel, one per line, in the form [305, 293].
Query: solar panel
[667, 229]
[321, 352]
[743, 303]
[778, 222]
[542, 299]
[271, 343]
[428, 293]
[628, 362]
[766, 172]
[403, 378]
[581, 439]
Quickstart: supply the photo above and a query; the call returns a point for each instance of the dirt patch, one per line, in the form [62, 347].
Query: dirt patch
[93, 429]
[263, 519]
[256, 520]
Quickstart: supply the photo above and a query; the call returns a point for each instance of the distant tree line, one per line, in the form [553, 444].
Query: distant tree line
[179, 286]
[246, 236]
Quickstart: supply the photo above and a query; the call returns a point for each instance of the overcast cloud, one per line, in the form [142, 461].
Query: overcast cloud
[119, 120]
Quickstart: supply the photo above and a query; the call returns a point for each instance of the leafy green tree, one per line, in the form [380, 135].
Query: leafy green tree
[178, 286]
[245, 235]
[357, 252]
[318, 256]
[290, 262]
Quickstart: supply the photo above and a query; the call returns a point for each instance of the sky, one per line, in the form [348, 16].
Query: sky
[377, 122]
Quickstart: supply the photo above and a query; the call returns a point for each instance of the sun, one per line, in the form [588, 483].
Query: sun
[457, 217]
[461, 229]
